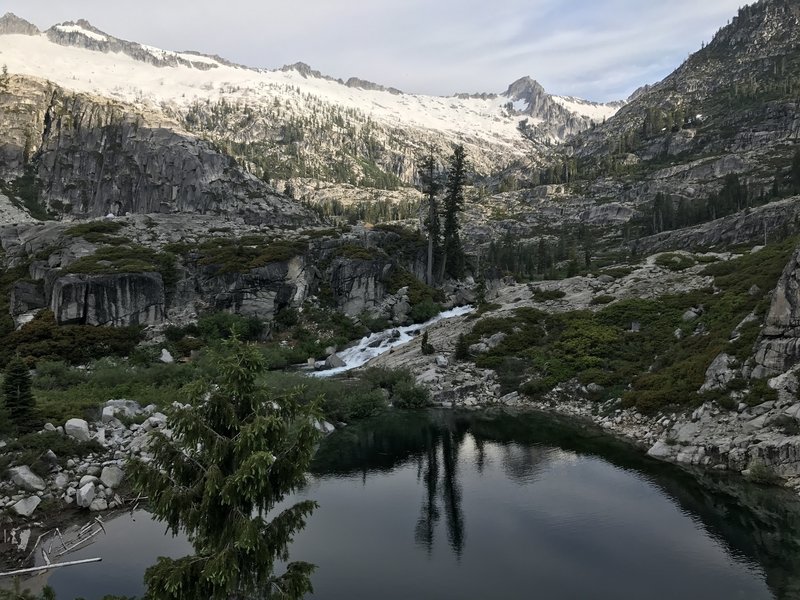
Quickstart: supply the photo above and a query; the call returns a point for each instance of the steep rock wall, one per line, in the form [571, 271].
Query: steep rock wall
[778, 350]
[89, 157]
[116, 300]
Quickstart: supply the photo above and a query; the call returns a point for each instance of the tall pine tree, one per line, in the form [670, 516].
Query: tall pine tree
[453, 260]
[17, 395]
[430, 187]
[236, 450]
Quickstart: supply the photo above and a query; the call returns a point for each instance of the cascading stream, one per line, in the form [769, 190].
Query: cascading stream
[379, 343]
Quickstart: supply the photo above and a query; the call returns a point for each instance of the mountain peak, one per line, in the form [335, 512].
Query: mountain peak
[523, 88]
[11, 24]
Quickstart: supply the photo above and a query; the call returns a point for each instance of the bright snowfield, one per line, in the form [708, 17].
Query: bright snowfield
[382, 342]
[119, 76]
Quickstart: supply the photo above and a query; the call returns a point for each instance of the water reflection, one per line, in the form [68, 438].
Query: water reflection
[759, 526]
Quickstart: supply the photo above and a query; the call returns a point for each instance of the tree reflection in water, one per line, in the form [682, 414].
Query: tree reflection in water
[762, 524]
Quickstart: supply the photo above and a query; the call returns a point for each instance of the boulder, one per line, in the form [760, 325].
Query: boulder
[26, 506]
[660, 450]
[85, 495]
[61, 481]
[334, 361]
[26, 479]
[112, 476]
[325, 427]
[108, 415]
[88, 479]
[441, 361]
[166, 357]
[78, 429]
[98, 504]
[128, 408]
[720, 373]
[496, 340]
[479, 348]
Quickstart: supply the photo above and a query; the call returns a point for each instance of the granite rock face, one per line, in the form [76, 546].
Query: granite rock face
[778, 350]
[260, 292]
[359, 285]
[117, 300]
[92, 158]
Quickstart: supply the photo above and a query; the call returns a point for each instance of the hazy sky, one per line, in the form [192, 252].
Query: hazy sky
[597, 49]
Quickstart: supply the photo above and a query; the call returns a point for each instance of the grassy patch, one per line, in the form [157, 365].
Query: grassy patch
[127, 259]
[247, 253]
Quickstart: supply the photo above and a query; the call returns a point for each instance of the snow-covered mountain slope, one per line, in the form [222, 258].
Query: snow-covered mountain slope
[286, 122]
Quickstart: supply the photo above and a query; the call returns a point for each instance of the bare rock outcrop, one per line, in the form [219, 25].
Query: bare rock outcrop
[116, 300]
[778, 350]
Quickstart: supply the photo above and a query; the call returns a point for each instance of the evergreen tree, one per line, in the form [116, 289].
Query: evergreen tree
[461, 351]
[453, 260]
[427, 348]
[19, 401]
[480, 287]
[235, 452]
[430, 187]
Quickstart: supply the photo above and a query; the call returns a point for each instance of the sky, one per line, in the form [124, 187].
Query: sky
[596, 49]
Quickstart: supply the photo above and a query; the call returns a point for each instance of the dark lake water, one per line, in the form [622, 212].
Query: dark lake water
[444, 505]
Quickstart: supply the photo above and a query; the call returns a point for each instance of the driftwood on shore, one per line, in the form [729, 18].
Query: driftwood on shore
[67, 545]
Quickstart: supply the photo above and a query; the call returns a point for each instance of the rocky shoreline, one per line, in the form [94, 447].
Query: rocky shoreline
[96, 481]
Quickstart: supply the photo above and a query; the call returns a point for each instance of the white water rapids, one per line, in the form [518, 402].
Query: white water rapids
[379, 343]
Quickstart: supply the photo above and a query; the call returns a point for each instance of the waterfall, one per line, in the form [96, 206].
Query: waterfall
[379, 343]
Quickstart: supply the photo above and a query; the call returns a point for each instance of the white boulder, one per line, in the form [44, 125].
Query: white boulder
[86, 495]
[78, 429]
[26, 479]
[112, 476]
[26, 506]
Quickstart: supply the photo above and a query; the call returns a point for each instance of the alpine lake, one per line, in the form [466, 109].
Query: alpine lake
[481, 505]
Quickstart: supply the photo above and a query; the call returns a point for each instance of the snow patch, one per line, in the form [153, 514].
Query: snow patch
[595, 111]
[78, 29]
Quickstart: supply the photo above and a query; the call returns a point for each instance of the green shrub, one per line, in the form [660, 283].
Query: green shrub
[675, 262]
[43, 339]
[425, 311]
[424, 299]
[30, 450]
[126, 259]
[541, 295]
[407, 394]
[250, 252]
[223, 325]
[57, 375]
[602, 299]
[758, 472]
[354, 252]
[95, 232]
[760, 392]
[341, 401]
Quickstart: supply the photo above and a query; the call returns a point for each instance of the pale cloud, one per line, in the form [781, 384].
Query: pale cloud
[598, 49]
